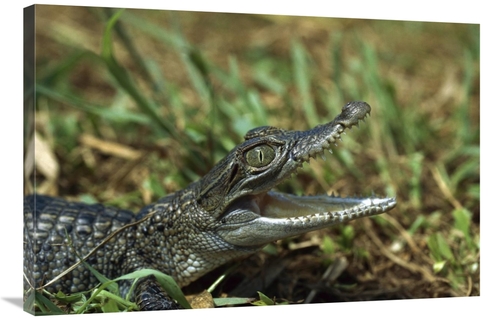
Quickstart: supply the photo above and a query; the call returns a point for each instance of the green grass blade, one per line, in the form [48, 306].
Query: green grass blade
[439, 248]
[166, 281]
[117, 116]
[469, 169]
[301, 70]
[115, 303]
[462, 219]
[110, 306]
[29, 304]
[132, 49]
[72, 298]
[62, 69]
[47, 306]
[198, 71]
[223, 302]
[112, 287]
[120, 74]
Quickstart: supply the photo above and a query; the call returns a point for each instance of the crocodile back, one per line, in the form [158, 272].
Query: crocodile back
[57, 233]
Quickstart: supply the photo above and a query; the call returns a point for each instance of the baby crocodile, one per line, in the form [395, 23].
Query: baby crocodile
[229, 213]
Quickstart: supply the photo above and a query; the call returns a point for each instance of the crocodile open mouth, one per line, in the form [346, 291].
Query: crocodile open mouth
[260, 219]
[262, 216]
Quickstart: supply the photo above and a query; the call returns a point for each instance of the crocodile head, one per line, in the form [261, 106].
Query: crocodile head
[237, 194]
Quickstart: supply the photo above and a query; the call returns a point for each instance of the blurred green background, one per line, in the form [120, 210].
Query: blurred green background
[134, 104]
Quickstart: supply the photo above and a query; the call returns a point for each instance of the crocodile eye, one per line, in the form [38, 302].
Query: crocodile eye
[260, 156]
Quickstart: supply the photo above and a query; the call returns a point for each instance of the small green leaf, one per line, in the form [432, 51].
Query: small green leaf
[328, 245]
[118, 301]
[72, 298]
[270, 249]
[439, 247]
[434, 247]
[347, 236]
[462, 223]
[221, 302]
[87, 198]
[420, 221]
[444, 247]
[110, 306]
[263, 300]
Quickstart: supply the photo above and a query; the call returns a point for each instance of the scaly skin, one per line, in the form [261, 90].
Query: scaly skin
[229, 213]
